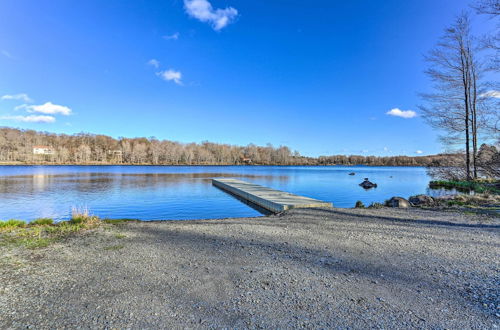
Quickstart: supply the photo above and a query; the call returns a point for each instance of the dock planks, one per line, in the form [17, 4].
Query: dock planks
[273, 200]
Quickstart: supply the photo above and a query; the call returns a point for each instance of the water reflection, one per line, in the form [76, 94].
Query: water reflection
[182, 192]
[101, 182]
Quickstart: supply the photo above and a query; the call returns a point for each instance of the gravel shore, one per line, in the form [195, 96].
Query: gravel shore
[312, 268]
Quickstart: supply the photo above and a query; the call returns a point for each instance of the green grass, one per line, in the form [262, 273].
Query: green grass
[42, 222]
[42, 232]
[12, 223]
[483, 186]
[458, 203]
[36, 243]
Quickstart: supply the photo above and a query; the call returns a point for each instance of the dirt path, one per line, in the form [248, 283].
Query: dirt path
[354, 268]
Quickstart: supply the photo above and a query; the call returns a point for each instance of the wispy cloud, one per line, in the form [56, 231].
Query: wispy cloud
[6, 54]
[23, 97]
[419, 152]
[48, 108]
[173, 36]
[171, 75]
[401, 113]
[31, 119]
[154, 63]
[493, 94]
[203, 11]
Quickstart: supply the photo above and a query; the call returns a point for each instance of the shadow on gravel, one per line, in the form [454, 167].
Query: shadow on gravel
[404, 221]
[144, 276]
[349, 263]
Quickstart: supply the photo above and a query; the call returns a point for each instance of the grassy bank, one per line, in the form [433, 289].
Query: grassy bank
[43, 232]
[480, 186]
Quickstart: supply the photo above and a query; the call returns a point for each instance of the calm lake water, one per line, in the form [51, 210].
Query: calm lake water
[186, 192]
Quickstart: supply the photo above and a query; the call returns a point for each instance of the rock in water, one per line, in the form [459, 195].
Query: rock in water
[352, 173]
[367, 184]
[398, 202]
[422, 200]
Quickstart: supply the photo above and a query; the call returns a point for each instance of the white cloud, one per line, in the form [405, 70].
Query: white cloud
[203, 11]
[493, 94]
[31, 119]
[401, 113]
[419, 152]
[386, 149]
[173, 36]
[22, 96]
[48, 108]
[171, 75]
[154, 63]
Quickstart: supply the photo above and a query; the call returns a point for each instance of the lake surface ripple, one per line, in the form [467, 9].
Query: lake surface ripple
[186, 192]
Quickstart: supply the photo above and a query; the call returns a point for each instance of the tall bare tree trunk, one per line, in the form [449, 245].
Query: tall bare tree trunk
[474, 119]
[466, 89]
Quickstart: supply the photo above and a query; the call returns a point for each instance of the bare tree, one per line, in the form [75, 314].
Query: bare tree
[491, 9]
[489, 161]
[454, 105]
[17, 146]
[487, 7]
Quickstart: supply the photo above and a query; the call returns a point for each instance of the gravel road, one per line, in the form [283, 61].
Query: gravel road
[311, 268]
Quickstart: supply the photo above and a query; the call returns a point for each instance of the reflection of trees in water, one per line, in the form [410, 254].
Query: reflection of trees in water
[102, 182]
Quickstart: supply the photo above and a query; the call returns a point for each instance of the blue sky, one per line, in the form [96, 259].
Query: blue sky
[318, 76]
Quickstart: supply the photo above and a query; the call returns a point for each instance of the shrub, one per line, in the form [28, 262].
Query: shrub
[42, 221]
[376, 205]
[359, 205]
[82, 216]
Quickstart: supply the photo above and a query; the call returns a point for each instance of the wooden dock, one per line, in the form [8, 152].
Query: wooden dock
[273, 200]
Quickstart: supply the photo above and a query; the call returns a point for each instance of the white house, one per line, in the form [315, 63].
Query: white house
[43, 150]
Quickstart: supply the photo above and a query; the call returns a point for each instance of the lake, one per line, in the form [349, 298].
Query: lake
[186, 192]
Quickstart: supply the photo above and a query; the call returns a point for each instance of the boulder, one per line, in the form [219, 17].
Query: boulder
[367, 184]
[352, 173]
[399, 202]
[422, 200]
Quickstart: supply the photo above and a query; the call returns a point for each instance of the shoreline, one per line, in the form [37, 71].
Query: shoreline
[204, 165]
[315, 268]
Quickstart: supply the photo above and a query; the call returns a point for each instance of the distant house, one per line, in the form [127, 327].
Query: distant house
[246, 160]
[43, 150]
[116, 155]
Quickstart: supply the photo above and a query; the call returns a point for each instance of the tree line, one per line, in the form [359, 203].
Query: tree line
[16, 146]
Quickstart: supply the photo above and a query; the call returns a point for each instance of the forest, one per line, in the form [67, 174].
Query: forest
[16, 146]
